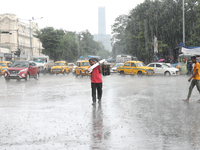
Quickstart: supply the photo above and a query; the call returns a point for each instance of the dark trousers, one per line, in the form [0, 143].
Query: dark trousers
[98, 87]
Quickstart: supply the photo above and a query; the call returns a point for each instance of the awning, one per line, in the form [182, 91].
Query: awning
[191, 50]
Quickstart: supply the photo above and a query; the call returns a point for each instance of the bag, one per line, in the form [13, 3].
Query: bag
[106, 70]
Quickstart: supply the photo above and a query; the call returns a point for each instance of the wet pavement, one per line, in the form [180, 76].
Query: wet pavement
[55, 113]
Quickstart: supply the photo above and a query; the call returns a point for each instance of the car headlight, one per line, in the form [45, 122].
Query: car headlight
[24, 70]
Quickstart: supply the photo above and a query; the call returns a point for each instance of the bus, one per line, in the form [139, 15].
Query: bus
[124, 58]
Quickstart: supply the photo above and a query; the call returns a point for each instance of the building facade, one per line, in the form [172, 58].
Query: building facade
[15, 34]
[102, 36]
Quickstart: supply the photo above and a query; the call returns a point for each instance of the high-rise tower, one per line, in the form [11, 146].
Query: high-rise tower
[102, 20]
[102, 36]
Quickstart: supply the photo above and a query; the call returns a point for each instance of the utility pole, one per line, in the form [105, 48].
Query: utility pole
[31, 50]
[184, 22]
[18, 41]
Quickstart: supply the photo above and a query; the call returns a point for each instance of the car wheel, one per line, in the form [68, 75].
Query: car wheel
[44, 73]
[167, 74]
[140, 74]
[64, 72]
[27, 77]
[7, 80]
[81, 75]
[37, 76]
[122, 73]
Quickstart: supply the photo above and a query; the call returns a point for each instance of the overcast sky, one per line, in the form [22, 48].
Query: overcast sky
[71, 15]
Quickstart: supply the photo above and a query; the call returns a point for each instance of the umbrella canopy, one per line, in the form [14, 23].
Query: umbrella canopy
[161, 60]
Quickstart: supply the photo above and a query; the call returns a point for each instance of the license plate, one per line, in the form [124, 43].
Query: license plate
[13, 75]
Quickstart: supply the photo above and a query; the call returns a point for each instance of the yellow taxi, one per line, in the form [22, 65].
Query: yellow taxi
[3, 66]
[60, 67]
[135, 68]
[71, 65]
[82, 68]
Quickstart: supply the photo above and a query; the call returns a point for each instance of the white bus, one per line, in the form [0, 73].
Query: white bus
[124, 58]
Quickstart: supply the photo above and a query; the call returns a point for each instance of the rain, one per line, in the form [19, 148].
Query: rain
[101, 76]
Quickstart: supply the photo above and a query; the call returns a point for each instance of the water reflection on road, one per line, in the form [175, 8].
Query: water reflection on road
[55, 112]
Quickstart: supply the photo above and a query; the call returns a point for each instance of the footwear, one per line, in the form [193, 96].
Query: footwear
[99, 101]
[94, 103]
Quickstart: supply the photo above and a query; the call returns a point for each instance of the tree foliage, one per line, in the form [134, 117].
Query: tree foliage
[69, 46]
[134, 33]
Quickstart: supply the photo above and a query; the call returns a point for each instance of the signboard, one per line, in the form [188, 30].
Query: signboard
[7, 55]
[155, 45]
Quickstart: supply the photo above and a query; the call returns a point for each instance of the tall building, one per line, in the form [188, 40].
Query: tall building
[16, 34]
[102, 36]
[102, 20]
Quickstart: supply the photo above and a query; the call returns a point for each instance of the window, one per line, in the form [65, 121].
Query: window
[133, 65]
[33, 64]
[78, 64]
[151, 65]
[127, 64]
[158, 65]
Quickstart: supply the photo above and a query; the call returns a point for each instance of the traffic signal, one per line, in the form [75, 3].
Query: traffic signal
[18, 53]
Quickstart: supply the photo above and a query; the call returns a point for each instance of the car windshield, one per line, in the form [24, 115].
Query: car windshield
[165, 66]
[71, 64]
[140, 64]
[20, 64]
[85, 64]
[59, 64]
[39, 60]
[3, 64]
[118, 65]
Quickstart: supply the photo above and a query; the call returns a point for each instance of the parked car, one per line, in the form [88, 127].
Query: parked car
[82, 68]
[114, 68]
[163, 69]
[3, 66]
[60, 67]
[22, 70]
[135, 68]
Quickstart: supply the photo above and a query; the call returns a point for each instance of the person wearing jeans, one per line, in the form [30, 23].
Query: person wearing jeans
[96, 82]
[195, 78]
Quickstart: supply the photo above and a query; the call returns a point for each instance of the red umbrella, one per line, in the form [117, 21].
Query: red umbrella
[161, 60]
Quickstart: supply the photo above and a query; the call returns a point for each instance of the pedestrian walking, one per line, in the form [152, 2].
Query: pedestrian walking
[96, 81]
[195, 78]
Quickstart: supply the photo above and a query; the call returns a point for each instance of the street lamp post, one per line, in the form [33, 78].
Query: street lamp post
[31, 48]
[184, 22]
[31, 51]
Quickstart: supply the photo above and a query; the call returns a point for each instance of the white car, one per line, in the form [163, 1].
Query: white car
[114, 68]
[163, 69]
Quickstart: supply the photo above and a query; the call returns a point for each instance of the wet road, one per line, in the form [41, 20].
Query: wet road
[55, 113]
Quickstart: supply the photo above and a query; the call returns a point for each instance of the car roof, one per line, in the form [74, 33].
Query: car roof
[5, 62]
[83, 61]
[24, 61]
[134, 61]
[60, 62]
[157, 63]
